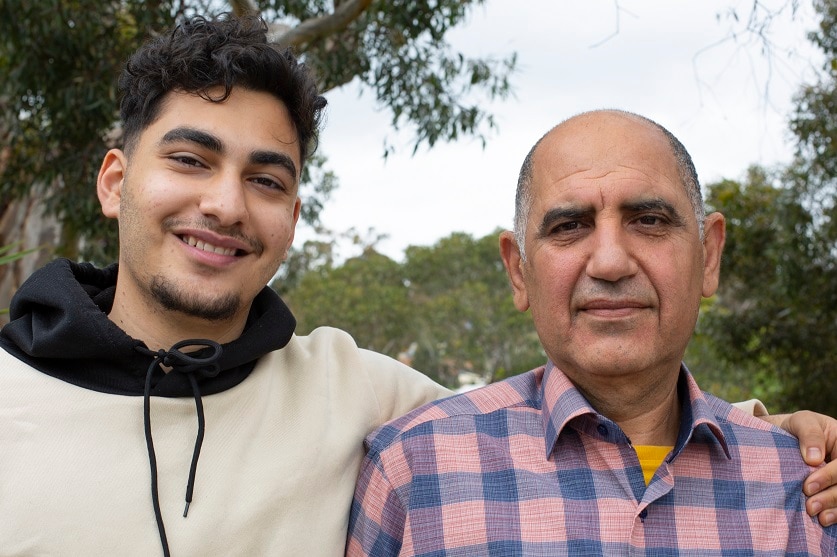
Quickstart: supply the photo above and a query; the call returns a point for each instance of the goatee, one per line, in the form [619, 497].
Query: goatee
[175, 299]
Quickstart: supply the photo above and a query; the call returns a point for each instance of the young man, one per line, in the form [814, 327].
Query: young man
[172, 385]
[609, 449]
[164, 405]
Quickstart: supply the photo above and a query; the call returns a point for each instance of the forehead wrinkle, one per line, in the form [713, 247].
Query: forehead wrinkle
[644, 170]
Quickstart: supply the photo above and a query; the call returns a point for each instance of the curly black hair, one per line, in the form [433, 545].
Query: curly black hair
[202, 54]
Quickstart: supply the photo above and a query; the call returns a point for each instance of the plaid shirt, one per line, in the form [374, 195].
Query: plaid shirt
[527, 467]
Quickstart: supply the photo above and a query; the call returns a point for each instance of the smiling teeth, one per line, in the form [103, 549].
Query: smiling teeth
[203, 246]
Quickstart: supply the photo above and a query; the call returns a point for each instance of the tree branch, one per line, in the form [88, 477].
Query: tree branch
[244, 7]
[309, 30]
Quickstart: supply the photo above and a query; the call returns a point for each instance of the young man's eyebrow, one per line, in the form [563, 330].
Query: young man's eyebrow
[275, 159]
[192, 135]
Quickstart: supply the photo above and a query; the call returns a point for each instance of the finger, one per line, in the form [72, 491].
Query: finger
[822, 491]
[810, 428]
[824, 506]
[832, 456]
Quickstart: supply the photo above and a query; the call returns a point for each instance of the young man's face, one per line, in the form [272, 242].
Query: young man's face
[207, 203]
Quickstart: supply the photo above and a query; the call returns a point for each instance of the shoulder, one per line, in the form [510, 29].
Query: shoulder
[484, 409]
[333, 349]
[12, 359]
[327, 339]
[746, 428]
[331, 359]
[329, 350]
[751, 440]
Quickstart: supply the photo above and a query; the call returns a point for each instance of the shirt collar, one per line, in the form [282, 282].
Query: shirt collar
[562, 403]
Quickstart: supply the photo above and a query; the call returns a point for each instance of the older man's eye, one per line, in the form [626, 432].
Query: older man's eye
[650, 220]
[568, 226]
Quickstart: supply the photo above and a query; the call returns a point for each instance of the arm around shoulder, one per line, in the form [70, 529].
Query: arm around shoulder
[399, 388]
[754, 407]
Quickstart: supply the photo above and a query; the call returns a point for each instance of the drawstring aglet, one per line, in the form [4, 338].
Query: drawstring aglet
[180, 362]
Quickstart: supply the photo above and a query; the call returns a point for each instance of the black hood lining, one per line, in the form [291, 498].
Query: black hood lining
[59, 326]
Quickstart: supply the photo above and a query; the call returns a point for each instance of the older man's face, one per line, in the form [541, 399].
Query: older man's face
[615, 265]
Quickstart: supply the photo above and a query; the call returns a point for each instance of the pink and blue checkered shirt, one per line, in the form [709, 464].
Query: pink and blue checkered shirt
[527, 467]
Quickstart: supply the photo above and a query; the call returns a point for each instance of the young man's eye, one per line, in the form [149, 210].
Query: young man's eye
[186, 160]
[269, 183]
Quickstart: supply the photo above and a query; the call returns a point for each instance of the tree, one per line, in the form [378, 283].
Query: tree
[59, 60]
[463, 305]
[366, 296]
[8, 255]
[775, 317]
[776, 310]
[445, 310]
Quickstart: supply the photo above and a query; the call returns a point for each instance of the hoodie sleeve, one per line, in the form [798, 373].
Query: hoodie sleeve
[397, 387]
[754, 407]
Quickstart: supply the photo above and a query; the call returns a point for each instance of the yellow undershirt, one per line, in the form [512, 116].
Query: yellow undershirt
[650, 458]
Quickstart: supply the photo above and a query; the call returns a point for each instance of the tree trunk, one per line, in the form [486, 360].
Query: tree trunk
[24, 221]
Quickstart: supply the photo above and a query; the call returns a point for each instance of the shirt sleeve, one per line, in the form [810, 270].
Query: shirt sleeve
[754, 407]
[377, 519]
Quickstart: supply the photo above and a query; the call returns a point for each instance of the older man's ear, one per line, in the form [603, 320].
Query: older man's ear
[510, 254]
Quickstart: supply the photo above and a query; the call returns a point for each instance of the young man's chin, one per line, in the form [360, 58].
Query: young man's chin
[194, 304]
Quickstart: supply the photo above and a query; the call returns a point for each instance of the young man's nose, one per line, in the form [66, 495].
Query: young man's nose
[224, 199]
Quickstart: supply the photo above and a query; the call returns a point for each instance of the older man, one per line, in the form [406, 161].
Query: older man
[610, 448]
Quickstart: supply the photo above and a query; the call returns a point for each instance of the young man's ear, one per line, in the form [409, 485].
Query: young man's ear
[109, 184]
[296, 211]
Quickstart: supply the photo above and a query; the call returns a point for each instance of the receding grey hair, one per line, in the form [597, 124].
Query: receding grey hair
[685, 169]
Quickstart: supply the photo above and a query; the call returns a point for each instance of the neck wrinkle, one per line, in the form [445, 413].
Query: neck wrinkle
[647, 414]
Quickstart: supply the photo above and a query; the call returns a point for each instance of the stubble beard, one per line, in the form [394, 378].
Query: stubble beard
[176, 299]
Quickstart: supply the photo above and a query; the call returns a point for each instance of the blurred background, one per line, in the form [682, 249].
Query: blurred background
[432, 107]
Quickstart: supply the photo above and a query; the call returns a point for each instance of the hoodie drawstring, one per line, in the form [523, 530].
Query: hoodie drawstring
[179, 362]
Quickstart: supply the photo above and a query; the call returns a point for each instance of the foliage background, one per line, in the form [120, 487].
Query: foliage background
[774, 323]
[446, 309]
[770, 332]
[59, 60]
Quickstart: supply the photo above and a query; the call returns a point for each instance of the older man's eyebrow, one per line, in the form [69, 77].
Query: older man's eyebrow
[656, 204]
[192, 135]
[563, 214]
[273, 158]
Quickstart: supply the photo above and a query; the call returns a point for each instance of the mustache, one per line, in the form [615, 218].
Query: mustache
[597, 290]
[256, 246]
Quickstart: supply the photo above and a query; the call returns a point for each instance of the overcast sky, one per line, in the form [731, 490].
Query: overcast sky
[675, 61]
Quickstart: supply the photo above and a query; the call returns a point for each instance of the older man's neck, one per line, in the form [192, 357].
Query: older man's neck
[648, 414]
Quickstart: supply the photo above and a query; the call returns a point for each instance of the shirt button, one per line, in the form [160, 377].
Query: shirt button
[602, 429]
